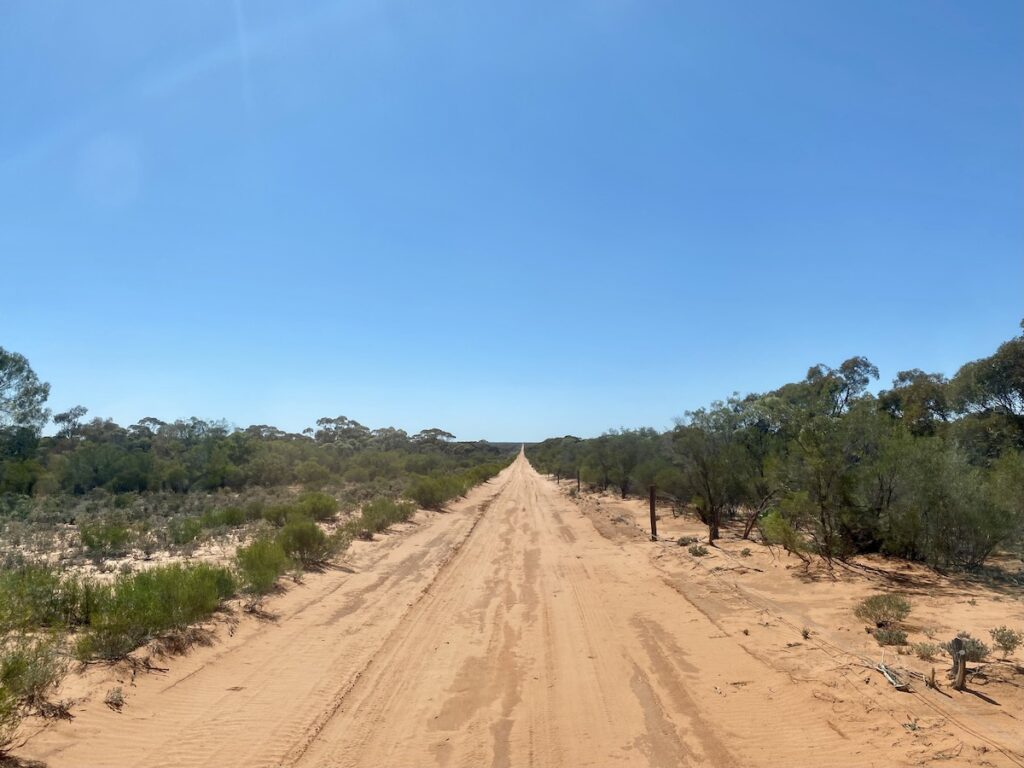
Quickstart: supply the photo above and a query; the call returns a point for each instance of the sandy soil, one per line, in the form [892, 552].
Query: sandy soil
[525, 628]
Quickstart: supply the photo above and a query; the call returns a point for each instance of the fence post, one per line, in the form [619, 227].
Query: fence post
[654, 518]
[577, 480]
[959, 654]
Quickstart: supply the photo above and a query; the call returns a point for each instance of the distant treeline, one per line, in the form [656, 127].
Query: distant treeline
[196, 455]
[931, 469]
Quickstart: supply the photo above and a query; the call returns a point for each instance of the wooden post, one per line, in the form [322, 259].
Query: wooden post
[577, 479]
[959, 654]
[654, 518]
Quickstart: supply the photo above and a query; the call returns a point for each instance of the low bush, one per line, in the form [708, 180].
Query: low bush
[259, 565]
[277, 514]
[697, 550]
[39, 597]
[776, 530]
[926, 651]
[139, 607]
[105, 539]
[185, 530]
[303, 541]
[30, 669]
[10, 716]
[975, 649]
[883, 610]
[429, 492]
[745, 552]
[318, 506]
[1007, 640]
[228, 517]
[379, 514]
[685, 541]
[434, 491]
[890, 636]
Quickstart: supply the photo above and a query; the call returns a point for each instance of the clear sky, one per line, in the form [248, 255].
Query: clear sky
[508, 219]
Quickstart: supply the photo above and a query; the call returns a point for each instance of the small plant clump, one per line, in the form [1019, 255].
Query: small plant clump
[890, 636]
[927, 651]
[685, 541]
[303, 541]
[30, 669]
[698, 550]
[745, 552]
[259, 565]
[146, 605]
[115, 699]
[1006, 640]
[883, 610]
[975, 649]
[378, 515]
[805, 633]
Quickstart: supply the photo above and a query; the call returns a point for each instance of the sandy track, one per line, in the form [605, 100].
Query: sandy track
[506, 633]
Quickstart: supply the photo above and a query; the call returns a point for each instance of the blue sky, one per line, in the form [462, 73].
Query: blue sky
[511, 220]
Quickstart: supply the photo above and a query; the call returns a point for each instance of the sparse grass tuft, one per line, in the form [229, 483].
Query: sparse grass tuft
[698, 550]
[115, 699]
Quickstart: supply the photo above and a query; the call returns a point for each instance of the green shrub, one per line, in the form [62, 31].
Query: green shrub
[139, 607]
[433, 491]
[890, 636]
[745, 552]
[975, 649]
[38, 597]
[278, 514]
[883, 610]
[685, 541]
[1007, 640]
[228, 517]
[379, 514]
[698, 550]
[260, 564]
[107, 539]
[318, 506]
[776, 530]
[30, 668]
[302, 540]
[254, 510]
[340, 540]
[10, 716]
[185, 530]
[926, 651]
[428, 493]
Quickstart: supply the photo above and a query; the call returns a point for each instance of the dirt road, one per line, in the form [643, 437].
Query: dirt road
[507, 632]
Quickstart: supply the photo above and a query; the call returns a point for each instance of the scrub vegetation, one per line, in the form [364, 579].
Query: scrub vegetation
[99, 522]
[930, 470]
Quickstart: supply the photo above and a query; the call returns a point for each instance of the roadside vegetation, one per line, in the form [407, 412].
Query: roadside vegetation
[930, 470]
[99, 523]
